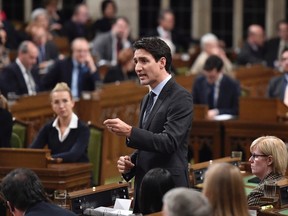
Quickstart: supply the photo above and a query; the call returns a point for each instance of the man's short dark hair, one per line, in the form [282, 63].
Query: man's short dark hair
[157, 48]
[213, 62]
[22, 188]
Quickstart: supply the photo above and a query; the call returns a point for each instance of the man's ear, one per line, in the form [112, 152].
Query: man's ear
[162, 62]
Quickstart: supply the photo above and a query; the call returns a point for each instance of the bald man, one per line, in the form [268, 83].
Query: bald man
[78, 71]
[21, 77]
[252, 51]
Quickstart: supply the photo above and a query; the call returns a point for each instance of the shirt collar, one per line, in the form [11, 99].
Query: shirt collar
[220, 77]
[160, 86]
[19, 63]
[73, 123]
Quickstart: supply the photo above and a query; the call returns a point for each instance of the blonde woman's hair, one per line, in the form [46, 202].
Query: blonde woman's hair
[3, 102]
[62, 86]
[224, 188]
[271, 145]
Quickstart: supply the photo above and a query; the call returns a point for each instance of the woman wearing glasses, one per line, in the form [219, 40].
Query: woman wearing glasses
[268, 162]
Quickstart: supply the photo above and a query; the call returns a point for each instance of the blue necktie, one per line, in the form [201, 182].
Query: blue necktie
[148, 107]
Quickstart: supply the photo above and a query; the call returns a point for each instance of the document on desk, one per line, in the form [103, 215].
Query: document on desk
[121, 208]
[223, 117]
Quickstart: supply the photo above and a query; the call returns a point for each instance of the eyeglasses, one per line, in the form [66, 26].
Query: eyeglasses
[254, 156]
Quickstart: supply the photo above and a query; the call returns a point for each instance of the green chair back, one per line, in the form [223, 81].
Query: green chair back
[95, 152]
[15, 141]
[20, 130]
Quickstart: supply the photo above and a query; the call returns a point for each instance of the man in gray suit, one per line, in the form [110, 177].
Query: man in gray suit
[165, 119]
[106, 46]
[278, 86]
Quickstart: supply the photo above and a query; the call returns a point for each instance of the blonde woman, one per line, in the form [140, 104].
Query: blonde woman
[268, 162]
[66, 136]
[224, 188]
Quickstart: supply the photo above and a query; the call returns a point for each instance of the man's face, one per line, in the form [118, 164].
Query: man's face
[283, 31]
[211, 75]
[29, 59]
[121, 28]
[147, 69]
[39, 36]
[80, 51]
[168, 22]
[284, 61]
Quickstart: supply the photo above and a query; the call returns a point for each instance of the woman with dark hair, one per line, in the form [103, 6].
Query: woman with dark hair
[155, 184]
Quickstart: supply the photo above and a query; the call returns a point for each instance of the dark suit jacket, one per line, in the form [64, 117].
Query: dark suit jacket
[271, 51]
[62, 72]
[276, 87]
[73, 30]
[163, 142]
[6, 124]
[116, 74]
[228, 98]
[51, 51]
[249, 56]
[12, 80]
[180, 41]
[47, 209]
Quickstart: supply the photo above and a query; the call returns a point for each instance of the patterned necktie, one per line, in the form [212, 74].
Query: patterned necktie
[148, 107]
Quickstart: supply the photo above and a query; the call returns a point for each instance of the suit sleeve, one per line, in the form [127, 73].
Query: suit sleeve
[234, 100]
[171, 134]
[79, 147]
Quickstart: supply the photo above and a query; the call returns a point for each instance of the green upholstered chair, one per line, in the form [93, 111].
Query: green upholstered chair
[19, 134]
[95, 151]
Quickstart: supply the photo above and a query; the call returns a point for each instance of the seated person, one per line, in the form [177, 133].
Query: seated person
[252, 51]
[268, 162]
[23, 193]
[67, 137]
[217, 90]
[277, 87]
[124, 69]
[6, 123]
[210, 45]
[155, 184]
[185, 202]
[21, 77]
[224, 188]
[78, 71]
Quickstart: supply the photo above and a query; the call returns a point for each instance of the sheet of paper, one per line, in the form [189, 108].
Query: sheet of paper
[123, 204]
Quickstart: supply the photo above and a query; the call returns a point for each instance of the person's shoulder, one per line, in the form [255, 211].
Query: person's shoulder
[46, 208]
[277, 79]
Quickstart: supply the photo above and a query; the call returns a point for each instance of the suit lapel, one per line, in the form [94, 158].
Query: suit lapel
[143, 106]
[161, 98]
[20, 78]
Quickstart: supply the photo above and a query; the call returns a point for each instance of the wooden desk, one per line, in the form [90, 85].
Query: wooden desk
[69, 176]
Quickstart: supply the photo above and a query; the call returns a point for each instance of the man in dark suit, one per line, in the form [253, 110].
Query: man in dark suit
[277, 87]
[107, 46]
[165, 30]
[24, 195]
[79, 71]
[275, 46]
[165, 119]
[217, 90]
[21, 77]
[252, 51]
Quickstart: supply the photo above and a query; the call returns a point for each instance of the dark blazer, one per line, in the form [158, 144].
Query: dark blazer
[180, 41]
[163, 142]
[6, 124]
[47, 209]
[248, 55]
[12, 80]
[228, 98]
[276, 87]
[271, 51]
[116, 74]
[51, 51]
[72, 149]
[73, 30]
[62, 72]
